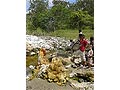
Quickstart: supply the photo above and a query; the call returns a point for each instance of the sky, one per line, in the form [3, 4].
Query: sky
[50, 3]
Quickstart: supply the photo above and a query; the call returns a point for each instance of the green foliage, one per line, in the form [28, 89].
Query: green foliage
[63, 15]
[80, 19]
[60, 13]
[38, 6]
[86, 5]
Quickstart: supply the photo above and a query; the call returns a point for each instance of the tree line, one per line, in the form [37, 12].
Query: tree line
[62, 15]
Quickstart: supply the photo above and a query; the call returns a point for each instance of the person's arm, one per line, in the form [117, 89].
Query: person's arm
[75, 43]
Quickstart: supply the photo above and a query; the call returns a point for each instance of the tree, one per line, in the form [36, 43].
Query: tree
[80, 19]
[38, 6]
[86, 5]
[37, 9]
[62, 15]
[60, 12]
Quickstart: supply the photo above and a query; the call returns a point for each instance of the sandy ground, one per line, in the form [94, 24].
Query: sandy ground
[40, 84]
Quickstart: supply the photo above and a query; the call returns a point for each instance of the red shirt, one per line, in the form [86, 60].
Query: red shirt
[83, 44]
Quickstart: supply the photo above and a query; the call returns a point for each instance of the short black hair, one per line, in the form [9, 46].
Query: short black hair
[80, 31]
[91, 38]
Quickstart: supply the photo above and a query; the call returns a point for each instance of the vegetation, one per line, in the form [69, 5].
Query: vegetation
[62, 18]
[67, 33]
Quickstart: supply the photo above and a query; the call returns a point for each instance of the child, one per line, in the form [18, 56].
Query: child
[83, 44]
[90, 56]
[92, 42]
[81, 52]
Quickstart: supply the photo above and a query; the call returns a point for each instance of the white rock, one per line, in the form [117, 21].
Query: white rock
[32, 53]
[46, 41]
[77, 60]
[44, 68]
[68, 66]
[81, 86]
[32, 67]
[72, 74]
[27, 77]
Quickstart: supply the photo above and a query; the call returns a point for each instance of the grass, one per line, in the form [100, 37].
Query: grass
[72, 34]
[68, 33]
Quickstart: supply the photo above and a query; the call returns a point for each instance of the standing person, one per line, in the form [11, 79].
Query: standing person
[82, 47]
[90, 56]
[83, 44]
[92, 42]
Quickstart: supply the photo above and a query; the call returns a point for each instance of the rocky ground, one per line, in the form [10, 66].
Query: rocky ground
[40, 84]
[47, 42]
[78, 78]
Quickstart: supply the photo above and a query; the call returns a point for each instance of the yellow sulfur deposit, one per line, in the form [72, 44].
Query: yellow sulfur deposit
[53, 71]
[56, 72]
[51, 75]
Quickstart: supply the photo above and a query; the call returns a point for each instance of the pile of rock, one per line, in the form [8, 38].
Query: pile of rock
[34, 43]
[47, 42]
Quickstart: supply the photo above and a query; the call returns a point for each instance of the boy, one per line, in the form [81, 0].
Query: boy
[81, 52]
[83, 44]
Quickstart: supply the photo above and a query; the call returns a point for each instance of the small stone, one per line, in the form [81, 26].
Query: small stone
[32, 53]
[32, 67]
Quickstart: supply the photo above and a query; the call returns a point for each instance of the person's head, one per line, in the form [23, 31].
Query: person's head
[80, 35]
[83, 36]
[80, 31]
[90, 47]
[91, 38]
